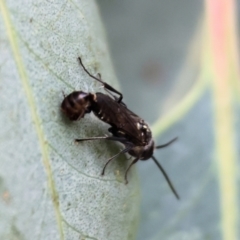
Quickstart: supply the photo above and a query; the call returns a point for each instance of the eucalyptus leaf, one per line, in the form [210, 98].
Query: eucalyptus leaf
[52, 188]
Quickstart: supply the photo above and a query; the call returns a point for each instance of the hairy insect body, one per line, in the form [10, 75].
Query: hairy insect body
[124, 123]
[125, 126]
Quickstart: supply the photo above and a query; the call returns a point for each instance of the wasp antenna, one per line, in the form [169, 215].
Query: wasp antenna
[166, 177]
[166, 144]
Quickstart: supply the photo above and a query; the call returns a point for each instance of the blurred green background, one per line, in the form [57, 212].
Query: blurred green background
[163, 58]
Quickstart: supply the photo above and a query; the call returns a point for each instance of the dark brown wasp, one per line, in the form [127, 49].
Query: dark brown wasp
[126, 127]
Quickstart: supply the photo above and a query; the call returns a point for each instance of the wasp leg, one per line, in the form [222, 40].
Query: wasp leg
[109, 92]
[105, 85]
[119, 139]
[110, 159]
[166, 144]
[133, 162]
[63, 94]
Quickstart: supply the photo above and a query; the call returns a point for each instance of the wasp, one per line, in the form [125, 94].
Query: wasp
[125, 126]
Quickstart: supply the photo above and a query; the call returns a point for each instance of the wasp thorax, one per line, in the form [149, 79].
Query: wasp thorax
[143, 152]
[76, 104]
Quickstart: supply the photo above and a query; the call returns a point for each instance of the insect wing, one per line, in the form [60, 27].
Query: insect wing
[120, 118]
[128, 124]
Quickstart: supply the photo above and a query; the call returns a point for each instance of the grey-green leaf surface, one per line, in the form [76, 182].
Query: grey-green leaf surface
[194, 97]
[51, 188]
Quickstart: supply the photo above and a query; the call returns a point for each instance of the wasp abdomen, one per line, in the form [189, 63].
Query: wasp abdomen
[77, 104]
